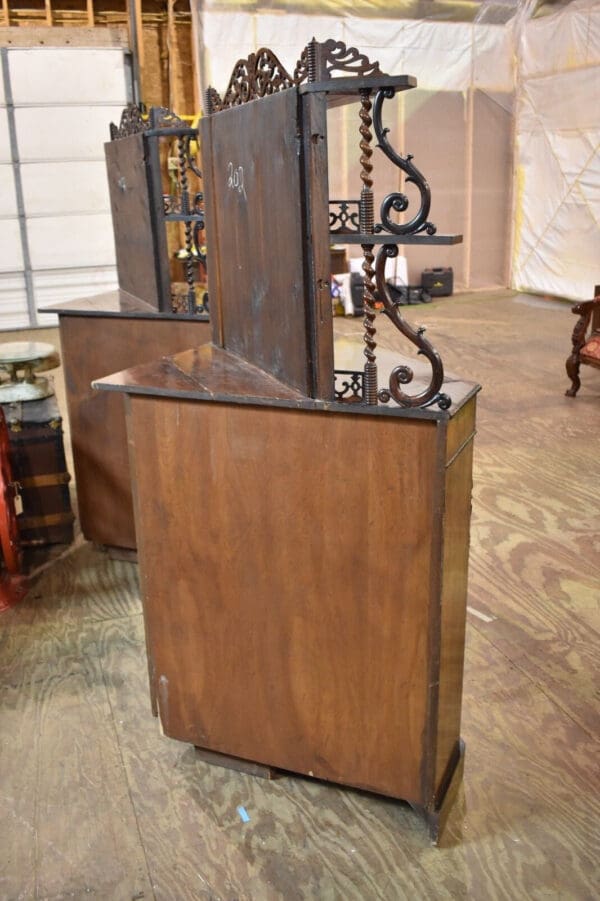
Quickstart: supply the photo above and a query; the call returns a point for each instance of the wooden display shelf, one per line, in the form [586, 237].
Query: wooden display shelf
[376, 240]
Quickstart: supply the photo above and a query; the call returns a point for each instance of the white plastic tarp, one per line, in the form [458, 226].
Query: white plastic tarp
[439, 123]
[556, 248]
[551, 64]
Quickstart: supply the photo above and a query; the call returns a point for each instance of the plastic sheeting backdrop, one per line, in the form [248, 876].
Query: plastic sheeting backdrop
[504, 123]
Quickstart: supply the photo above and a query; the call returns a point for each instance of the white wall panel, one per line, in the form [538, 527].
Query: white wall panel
[5, 156]
[71, 241]
[11, 255]
[13, 301]
[57, 286]
[67, 133]
[44, 75]
[8, 198]
[55, 188]
[64, 100]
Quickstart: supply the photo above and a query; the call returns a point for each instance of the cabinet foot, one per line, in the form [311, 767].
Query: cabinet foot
[436, 816]
[238, 764]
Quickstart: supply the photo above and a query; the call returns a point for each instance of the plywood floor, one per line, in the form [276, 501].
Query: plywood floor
[96, 803]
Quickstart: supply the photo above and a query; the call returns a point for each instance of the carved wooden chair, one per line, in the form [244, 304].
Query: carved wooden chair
[586, 344]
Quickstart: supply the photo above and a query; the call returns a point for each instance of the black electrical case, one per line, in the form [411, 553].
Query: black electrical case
[438, 282]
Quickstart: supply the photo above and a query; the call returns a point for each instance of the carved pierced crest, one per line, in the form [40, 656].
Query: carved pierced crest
[131, 123]
[262, 73]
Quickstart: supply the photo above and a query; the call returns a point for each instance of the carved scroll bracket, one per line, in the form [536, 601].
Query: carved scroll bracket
[398, 201]
[403, 375]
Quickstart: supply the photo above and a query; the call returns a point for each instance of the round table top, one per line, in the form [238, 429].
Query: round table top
[25, 351]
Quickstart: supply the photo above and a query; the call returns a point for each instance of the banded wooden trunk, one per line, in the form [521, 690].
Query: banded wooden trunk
[39, 467]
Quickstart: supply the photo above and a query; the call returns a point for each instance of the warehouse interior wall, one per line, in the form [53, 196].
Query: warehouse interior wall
[460, 115]
[556, 248]
[503, 123]
[56, 240]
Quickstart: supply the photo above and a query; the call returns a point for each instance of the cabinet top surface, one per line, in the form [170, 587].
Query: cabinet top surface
[116, 303]
[211, 374]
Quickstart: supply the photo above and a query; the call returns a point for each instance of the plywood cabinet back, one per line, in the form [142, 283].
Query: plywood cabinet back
[255, 211]
[135, 243]
[295, 633]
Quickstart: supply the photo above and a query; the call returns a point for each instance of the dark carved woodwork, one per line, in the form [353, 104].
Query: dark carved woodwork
[344, 217]
[161, 117]
[348, 385]
[132, 123]
[366, 223]
[403, 375]
[588, 312]
[334, 56]
[398, 201]
[262, 74]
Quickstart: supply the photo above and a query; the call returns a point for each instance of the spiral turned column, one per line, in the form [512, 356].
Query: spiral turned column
[367, 225]
[182, 153]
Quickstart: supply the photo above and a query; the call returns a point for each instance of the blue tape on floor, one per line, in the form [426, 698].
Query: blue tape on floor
[243, 814]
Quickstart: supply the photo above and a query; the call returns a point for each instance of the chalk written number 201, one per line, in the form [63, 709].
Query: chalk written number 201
[235, 178]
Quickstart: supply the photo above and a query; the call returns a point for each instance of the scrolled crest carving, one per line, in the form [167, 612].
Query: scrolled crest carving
[132, 123]
[259, 75]
[340, 58]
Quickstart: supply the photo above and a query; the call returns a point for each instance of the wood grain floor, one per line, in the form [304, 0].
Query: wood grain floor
[96, 803]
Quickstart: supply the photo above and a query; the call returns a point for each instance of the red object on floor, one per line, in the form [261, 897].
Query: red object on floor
[13, 589]
[13, 585]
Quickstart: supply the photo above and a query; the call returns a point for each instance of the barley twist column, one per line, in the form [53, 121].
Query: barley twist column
[182, 153]
[367, 224]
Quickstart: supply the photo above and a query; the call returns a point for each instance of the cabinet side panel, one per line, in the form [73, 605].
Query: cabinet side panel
[453, 605]
[318, 258]
[213, 257]
[93, 347]
[461, 429]
[287, 599]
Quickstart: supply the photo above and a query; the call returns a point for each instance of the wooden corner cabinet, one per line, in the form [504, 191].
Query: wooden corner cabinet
[146, 318]
[99, 335]
[303, 614]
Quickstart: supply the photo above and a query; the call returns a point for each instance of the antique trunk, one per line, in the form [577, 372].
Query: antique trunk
[39, 467]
